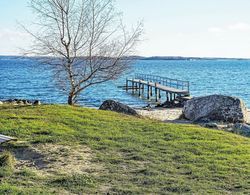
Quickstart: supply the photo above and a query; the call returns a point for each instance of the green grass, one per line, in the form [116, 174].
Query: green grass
[129, 155]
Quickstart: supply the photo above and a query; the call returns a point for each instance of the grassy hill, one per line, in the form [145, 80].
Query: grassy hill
[62, 150]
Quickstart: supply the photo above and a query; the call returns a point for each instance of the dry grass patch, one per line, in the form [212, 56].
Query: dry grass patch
[57, 159]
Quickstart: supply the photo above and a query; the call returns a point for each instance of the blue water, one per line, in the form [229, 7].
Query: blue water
[26, 79]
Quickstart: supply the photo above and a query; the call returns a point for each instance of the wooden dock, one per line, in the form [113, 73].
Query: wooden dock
[156, 85]
[4, 138]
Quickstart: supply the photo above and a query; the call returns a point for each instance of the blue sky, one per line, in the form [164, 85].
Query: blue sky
[218, 28]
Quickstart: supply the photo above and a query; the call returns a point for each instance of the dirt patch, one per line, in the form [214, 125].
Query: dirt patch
[161, 114]
[57, 159]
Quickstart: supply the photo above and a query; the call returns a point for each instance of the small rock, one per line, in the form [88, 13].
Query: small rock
[27, 102]
[148, 107]
[117, 107]
[14, 103]
[37, 103]
[242, 129]
[211, 125]
[20, 102]
[1, 103]
[24, 101]
[8, 101]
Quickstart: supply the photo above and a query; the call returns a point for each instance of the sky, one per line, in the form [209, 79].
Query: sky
[198, 28]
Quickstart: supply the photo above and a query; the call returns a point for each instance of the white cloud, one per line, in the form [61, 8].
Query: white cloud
[12, 40]
[239, 27]
[215, 30]
[12, 34]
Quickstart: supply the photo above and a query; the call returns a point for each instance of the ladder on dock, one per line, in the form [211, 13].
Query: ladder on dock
[173, 88]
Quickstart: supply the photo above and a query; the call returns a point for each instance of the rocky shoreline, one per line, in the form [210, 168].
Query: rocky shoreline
[214, 111]
[168, 114]
[175, 115]
[21, 102]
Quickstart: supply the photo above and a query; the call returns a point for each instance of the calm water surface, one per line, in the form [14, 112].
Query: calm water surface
[24, 78]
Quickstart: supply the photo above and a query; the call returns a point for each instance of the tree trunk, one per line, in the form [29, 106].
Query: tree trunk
[71, 99]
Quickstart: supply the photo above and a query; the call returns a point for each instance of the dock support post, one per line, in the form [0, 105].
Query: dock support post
[126, 85]
[159, 94]
[148, 90]
[167, 96]
[139, 88]
[156, 93]
[133, 88]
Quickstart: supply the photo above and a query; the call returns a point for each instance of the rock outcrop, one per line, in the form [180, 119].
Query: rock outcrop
[117, 107]
[215, 108]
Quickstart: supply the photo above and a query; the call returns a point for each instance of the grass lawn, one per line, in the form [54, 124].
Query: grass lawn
[72, 150]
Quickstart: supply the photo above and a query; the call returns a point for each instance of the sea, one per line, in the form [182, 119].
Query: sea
[25, 78]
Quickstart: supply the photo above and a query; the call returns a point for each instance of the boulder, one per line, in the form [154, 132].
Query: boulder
[25, 102]
[20, 102]
[11, 101]
[117, 107]
[37, 103]
[242, 129]
[215, 108]
[1, 103]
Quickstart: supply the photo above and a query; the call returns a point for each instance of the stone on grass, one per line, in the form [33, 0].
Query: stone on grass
[242, 129]
[117, 107]
[211, 125]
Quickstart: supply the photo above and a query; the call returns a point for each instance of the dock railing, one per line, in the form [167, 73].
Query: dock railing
[175, 83]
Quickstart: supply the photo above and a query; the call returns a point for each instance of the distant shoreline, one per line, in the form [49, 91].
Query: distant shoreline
[149, 58]
[183, 58]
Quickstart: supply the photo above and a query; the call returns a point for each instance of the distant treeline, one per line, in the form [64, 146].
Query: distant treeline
[134, 58]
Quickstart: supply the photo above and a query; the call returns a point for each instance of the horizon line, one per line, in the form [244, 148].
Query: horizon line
[153, 56]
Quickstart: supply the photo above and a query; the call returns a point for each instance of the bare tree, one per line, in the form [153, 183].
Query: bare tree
[84, 41]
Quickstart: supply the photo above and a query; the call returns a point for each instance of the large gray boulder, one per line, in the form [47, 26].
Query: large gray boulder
[117, 107]
[216, 108]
